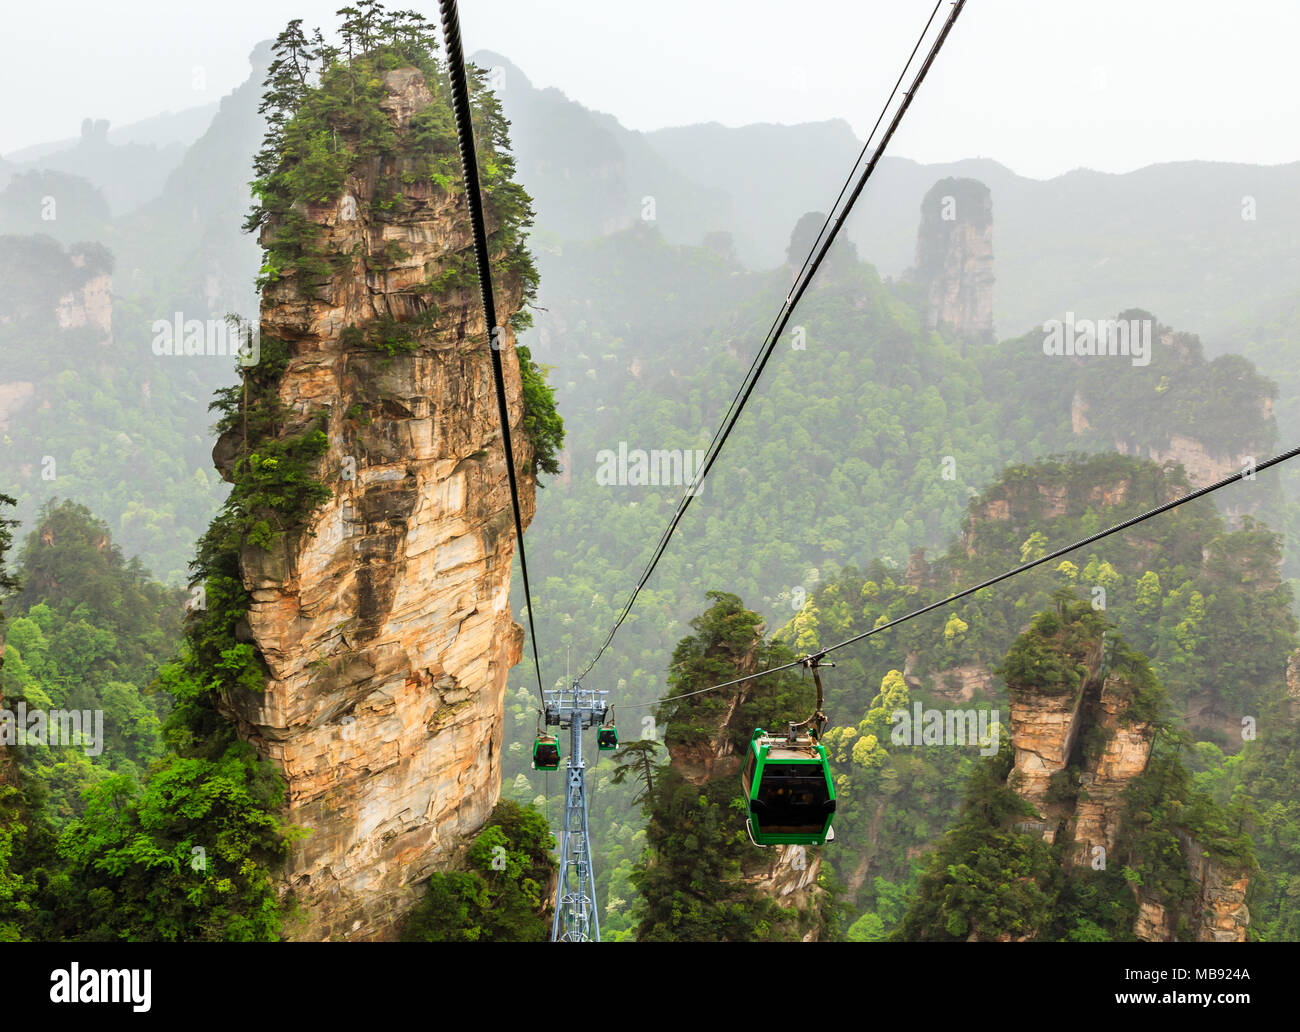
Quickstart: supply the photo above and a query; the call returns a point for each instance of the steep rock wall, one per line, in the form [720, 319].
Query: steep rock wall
[1044, 729]
[386, 626]
[89, 305]
[1099, 806]
[1048, 735]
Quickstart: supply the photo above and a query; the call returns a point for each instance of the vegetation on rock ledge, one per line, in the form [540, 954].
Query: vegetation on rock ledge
[325, 120]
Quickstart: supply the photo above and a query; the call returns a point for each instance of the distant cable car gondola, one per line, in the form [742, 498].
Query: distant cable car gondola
[787, 782]
[607, 735]
[546, 752]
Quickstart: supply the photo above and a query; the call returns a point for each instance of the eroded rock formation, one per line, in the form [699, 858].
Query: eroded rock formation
[1229, 425]
[386, 625]
[1123, 757]
[91, 304]
[1094, 734]
[954, 258]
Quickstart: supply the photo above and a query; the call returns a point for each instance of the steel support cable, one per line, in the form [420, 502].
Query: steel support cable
[813, 657]
[473, 197]
[811, 265]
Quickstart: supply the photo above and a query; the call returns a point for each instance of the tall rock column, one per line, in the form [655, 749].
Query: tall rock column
[954, 258]
[386, 625]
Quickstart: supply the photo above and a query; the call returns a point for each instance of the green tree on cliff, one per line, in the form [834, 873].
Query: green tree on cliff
[501, 894]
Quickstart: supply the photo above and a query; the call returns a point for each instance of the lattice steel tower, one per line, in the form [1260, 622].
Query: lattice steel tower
[576, 918]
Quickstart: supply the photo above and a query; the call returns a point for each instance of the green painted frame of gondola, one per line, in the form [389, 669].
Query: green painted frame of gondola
[613, 745]
[763, 838]
[537, 743]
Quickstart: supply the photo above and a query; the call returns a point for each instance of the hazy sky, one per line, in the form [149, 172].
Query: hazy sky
[1040, 85]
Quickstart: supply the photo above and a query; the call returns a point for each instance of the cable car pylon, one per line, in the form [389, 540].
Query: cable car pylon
[576, 915]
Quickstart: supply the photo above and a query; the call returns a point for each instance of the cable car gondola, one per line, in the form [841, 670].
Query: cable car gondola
[607, 735]
[789, 790]
[546, 752]
[787, 782]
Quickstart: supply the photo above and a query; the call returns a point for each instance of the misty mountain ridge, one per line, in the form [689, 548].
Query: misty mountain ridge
[1176, 237]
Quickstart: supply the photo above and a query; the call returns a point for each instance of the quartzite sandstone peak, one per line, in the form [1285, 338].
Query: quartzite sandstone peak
[386, 626]
[954, 258]
[1046, 734]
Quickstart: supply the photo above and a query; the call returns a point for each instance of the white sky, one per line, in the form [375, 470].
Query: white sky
[1043, 86]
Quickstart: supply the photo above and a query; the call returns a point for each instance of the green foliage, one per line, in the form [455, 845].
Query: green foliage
[1162, 809]
[131, 842]
[125, 425]
[986, 880]
[87, 632]
[1260, 788]
[325, 120]
[542, 420]
[189, 858]
[835, 478]
[1049, 658]
[500, 896]
[15, 886]
[636, 760]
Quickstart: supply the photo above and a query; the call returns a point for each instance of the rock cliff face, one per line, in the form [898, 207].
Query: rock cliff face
[1044, 729]
[91, 304]
[1027, 503]
[386, 625]
[1229, 423]
[1219, 912]
[1014, 509]
[1203, 466]
[954, 258]
[1050, 733]
[1104, 778]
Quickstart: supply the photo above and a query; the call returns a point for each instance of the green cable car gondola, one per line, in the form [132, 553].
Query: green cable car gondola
[789, 790]
[607, 738]
[546, 753]
[787, 781]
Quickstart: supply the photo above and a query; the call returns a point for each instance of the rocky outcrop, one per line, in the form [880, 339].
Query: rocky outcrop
[954, 258]
[1044, 729]
[1217, 913]
[386, 625]
[91, 304]
[964, 683]
[1174, 407]
[1124, 756]
[1026, 503]
[790, 878]
[1075, 754]
[1203, 466]
[1220, 910]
